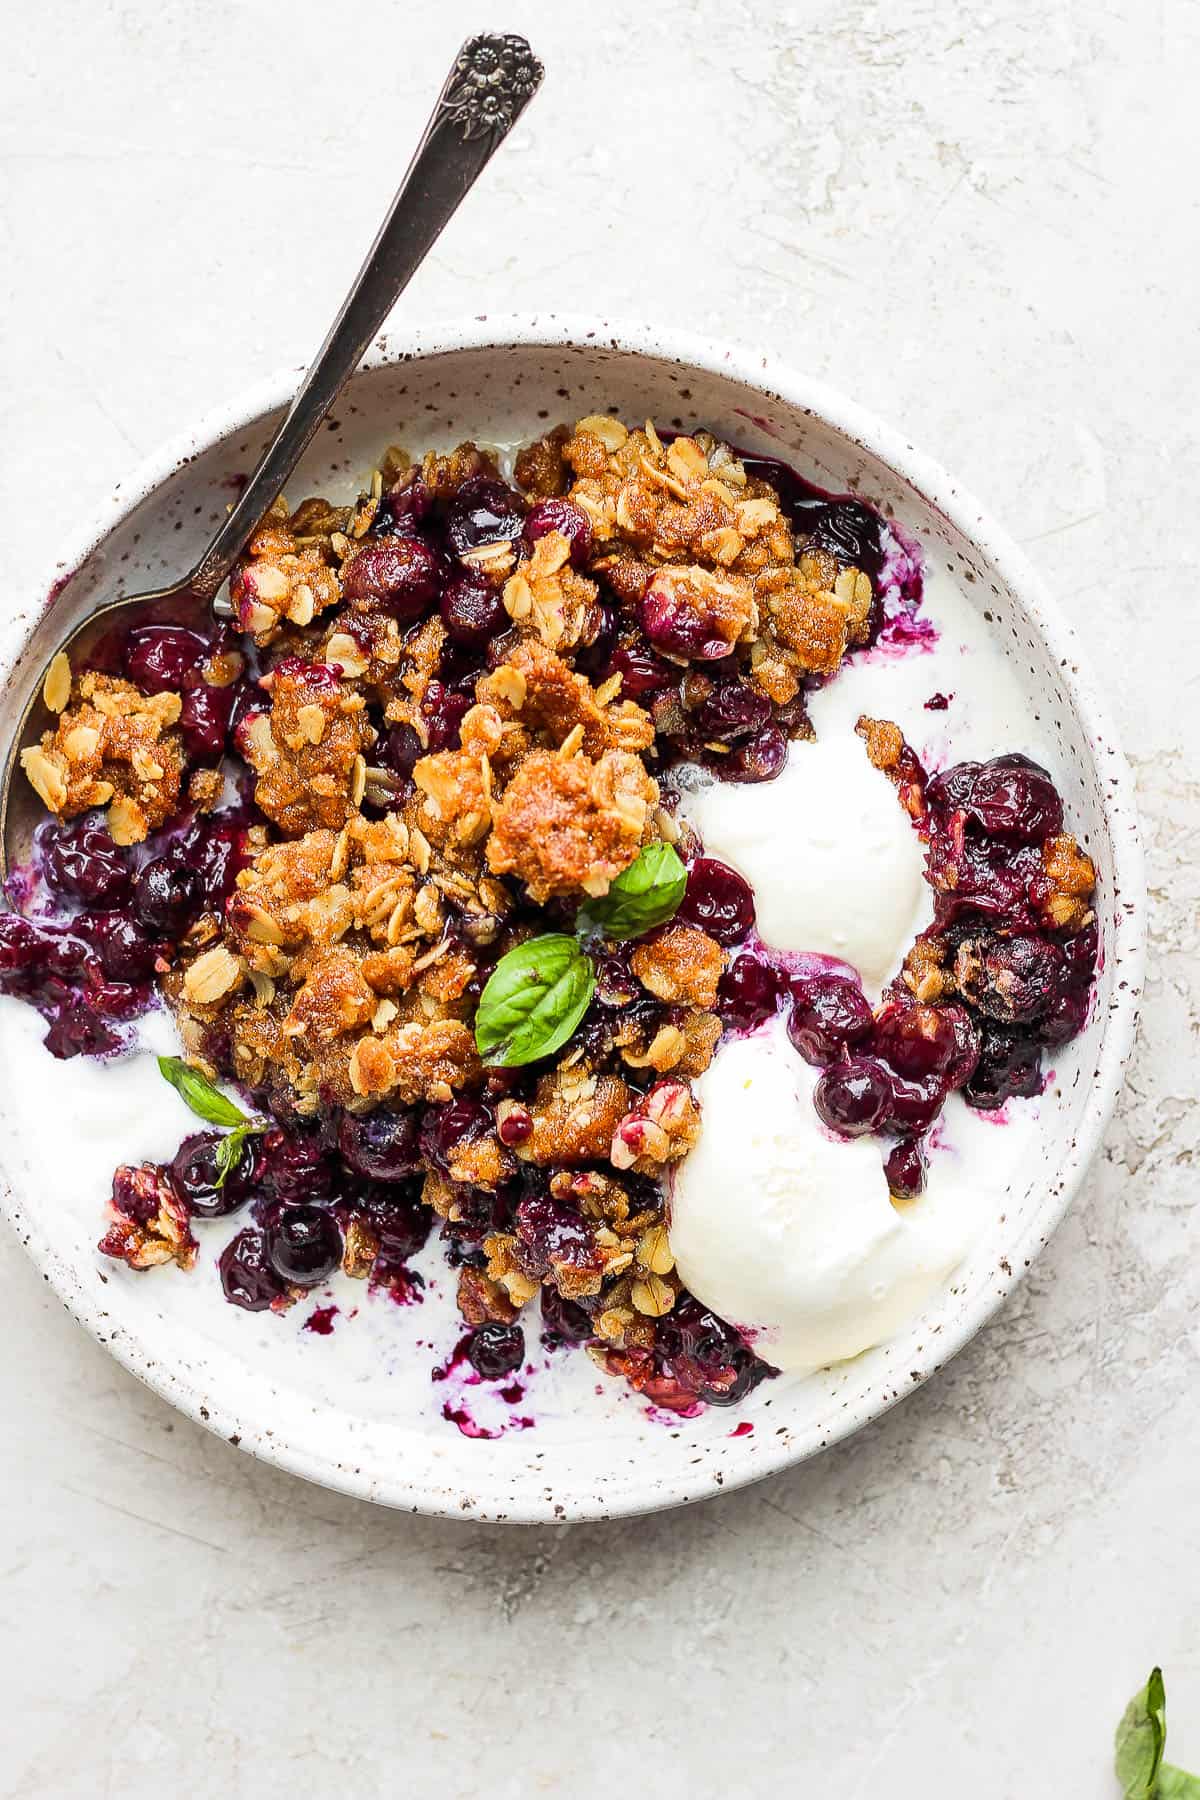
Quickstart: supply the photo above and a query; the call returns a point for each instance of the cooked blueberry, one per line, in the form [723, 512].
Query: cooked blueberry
[1010, 1064]
[1011, 979]
[719, 900]
[564, 516]
[247, 1278]
[916, 1101]
[125, 949]
[194, 1172]
[906, 1167]
[854, 1097]
[495, 1350]
[303, 1244]
[757, 758]
[829, 1014]
[749, 993]
[167, 895]
[564, 1320]
[678, 628]
[81, 862]
[445, 1127]
[706, 1356]
[400, 574]
[157, 657]
[204, 721]
[732, 711]
[383, 1145]
[1008, 797]
[295, 1167]
[641, 671]
[484, 511]
[472, 612]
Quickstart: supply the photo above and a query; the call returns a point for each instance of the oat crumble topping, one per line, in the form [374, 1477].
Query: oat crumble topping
[456, 718]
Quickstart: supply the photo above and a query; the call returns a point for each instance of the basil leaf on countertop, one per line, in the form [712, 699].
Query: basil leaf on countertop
[206, 1101]
[1141, 1740]
[646, 894]
[534, 999]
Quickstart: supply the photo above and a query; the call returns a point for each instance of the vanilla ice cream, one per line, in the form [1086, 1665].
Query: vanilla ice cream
[830, 853]
[781, 1227]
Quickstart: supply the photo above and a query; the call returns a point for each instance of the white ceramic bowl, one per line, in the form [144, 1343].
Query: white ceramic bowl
[371, 1431]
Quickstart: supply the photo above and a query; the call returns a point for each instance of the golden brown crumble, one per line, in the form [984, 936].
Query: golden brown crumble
[570, 825]
[309, 751]
[680, 963]
[115, 747]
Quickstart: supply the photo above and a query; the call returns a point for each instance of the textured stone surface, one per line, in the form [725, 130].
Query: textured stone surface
[982, 222]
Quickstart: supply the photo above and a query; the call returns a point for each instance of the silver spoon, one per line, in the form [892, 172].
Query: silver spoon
[492, 80]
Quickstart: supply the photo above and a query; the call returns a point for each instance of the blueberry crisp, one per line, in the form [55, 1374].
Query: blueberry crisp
[404, 849]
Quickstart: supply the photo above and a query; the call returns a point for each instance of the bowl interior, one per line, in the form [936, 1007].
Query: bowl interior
[359, 1411]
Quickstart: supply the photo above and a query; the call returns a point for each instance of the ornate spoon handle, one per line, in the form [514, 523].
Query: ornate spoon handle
[490, 84]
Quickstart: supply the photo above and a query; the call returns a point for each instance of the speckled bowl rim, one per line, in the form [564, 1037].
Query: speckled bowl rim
[776, 381]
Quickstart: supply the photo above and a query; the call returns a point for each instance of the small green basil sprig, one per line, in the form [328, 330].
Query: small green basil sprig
[537, 994]
[1141, 1740]
[211, 1105]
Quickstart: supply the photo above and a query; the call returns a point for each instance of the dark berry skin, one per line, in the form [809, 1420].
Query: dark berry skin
[384, 1146]
[906, 1167]
[915, 1102]
[641, 671]
[495, 1350]
[125, 950]
[757, 758]
[921, 1041]
[565, 1321]
[394, 1214]
[564, 516]
[80, 862]
[458, 1122]
[678, 629]
[296, 1168]
[1008, 797]
[158, 657]
[705, 1356]
[733, 711]
[1011, 979]
[471, 611]
[303, 1244]
[718, 900]
[1010, 1065]
[1065, 1017]
[194, 1172]
[400, 574]
[166, 896]
[484, 511]
[829, 1015]
[854, 1097]
[749, 993]
[247, 1278]
[204, 721]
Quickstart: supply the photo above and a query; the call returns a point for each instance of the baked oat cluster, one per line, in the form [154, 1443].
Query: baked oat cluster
[453, 709]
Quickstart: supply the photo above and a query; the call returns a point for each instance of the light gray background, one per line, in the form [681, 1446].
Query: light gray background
[980, 219]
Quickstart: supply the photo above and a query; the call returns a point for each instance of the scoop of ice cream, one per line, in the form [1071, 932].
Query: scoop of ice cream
[830, 853]
[780, 1227]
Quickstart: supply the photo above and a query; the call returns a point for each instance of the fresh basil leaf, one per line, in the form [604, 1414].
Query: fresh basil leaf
[229, 1149]
[206, 1101]
[1141, 1739]
[1177, 1784]
[646, 894]
[534, 999]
